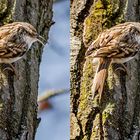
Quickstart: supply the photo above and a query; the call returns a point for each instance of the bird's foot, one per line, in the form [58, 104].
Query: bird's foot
[124, 68]
[12, 69]
[120, 67]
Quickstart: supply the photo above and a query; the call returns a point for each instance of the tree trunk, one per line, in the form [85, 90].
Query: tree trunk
[117, 116]
[18, 96]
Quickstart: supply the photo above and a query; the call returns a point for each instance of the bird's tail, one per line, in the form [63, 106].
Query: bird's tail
[100, 76]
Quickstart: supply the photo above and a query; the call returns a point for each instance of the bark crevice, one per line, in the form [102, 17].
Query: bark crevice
[119, 108]
[18, 94]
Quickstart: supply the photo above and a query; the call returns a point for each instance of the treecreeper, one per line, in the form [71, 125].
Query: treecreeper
[15, 40]
[118, 44]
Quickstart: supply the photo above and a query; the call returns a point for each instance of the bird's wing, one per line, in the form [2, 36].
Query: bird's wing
[118, 41]
[11, 50]
[9, 47]
[9, 30]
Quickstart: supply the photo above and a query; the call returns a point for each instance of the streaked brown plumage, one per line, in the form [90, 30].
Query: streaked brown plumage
[15, 40]
[118, 44]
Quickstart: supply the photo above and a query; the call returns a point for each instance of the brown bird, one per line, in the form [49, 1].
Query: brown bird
[118, 44]
[15, 40]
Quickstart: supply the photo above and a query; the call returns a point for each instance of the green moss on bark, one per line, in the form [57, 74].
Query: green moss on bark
[103, 14]
[7, 11]
[86, 84]
[3, 6]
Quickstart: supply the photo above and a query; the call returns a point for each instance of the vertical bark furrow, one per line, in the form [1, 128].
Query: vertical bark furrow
[77, 53]
[90, 122]
[79, 59]
[26, 101]
[10, 105]
[121, 101]
[18, 95]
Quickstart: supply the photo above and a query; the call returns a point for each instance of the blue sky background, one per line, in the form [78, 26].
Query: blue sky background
[54, 74]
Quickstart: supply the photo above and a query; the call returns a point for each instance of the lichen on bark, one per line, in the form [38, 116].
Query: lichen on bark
[116, 117]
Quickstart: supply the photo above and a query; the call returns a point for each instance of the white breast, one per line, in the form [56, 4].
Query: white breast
[9, 60]
[121, 60]
[29, 40]
[137, 37]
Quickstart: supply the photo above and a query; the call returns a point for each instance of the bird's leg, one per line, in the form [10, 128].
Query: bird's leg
[11, 68]
[123, 67]
[119, 66]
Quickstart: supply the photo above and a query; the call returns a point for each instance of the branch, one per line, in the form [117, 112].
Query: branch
[50, 94]
[43, 102]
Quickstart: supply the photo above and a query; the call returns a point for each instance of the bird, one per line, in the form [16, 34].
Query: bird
[119, 44]
[15, 40]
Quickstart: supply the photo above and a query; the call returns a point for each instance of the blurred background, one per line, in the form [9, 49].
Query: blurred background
[54, 75]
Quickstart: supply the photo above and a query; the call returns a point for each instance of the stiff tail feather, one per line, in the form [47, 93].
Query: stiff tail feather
[100, 76]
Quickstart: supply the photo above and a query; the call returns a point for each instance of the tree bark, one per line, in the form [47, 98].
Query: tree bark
[18, 96]
[117, 116]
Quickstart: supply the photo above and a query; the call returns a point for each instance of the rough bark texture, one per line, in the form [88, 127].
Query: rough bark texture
[18, 96]
[117, 116]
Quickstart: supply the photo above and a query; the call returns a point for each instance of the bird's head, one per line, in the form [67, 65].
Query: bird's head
[31, 35]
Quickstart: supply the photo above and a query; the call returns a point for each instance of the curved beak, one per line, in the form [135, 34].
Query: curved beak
[40, 39]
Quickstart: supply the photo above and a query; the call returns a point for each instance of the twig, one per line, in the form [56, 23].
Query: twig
[50, 94]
